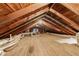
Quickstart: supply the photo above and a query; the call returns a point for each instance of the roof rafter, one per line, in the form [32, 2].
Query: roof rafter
[24, 20]
[24, 11]
[67, 20]
[71, 8]
[51, 26]
[63, 30]
[32, 17]
[62, 26]
[10, 6]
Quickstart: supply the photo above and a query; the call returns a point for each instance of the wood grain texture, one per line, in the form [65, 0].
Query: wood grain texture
[43, 45]
[12, 15]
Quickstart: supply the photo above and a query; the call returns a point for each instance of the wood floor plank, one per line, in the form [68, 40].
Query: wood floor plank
[43, 45]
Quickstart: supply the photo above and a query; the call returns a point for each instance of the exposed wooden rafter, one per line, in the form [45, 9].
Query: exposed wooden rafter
[67, 20]
[20, 17]
[51, 26]
[13, 28]
[10, 6]
[63, 30]
[72, 7]
[62, 26]
[23, 20]
[24, 11]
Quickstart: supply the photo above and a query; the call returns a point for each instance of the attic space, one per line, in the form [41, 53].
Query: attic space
[39, 29]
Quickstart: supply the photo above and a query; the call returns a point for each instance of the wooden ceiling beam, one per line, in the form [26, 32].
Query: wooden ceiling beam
[19, 29]
[51, 26]
[63, 30]
[67, 20]
[23, 20]
[13, 26]
[24, 11]
[69, 6]
[26, 27]
[62, 26]
[10, 6]
[20, 5]
[44, 23]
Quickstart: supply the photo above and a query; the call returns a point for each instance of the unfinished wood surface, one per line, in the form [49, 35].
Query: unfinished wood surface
[63, 30]
[20, 21]
[73, 7]
[63, 27]
[43, 45]
[68, 21]
[14, 15]
[22, 12]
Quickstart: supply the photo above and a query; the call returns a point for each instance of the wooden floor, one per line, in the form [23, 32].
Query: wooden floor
[42, 45]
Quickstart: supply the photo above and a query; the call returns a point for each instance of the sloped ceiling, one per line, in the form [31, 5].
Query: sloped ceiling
[18, 17]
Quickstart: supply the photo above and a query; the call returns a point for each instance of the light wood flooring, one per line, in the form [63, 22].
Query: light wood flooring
[43, 45]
